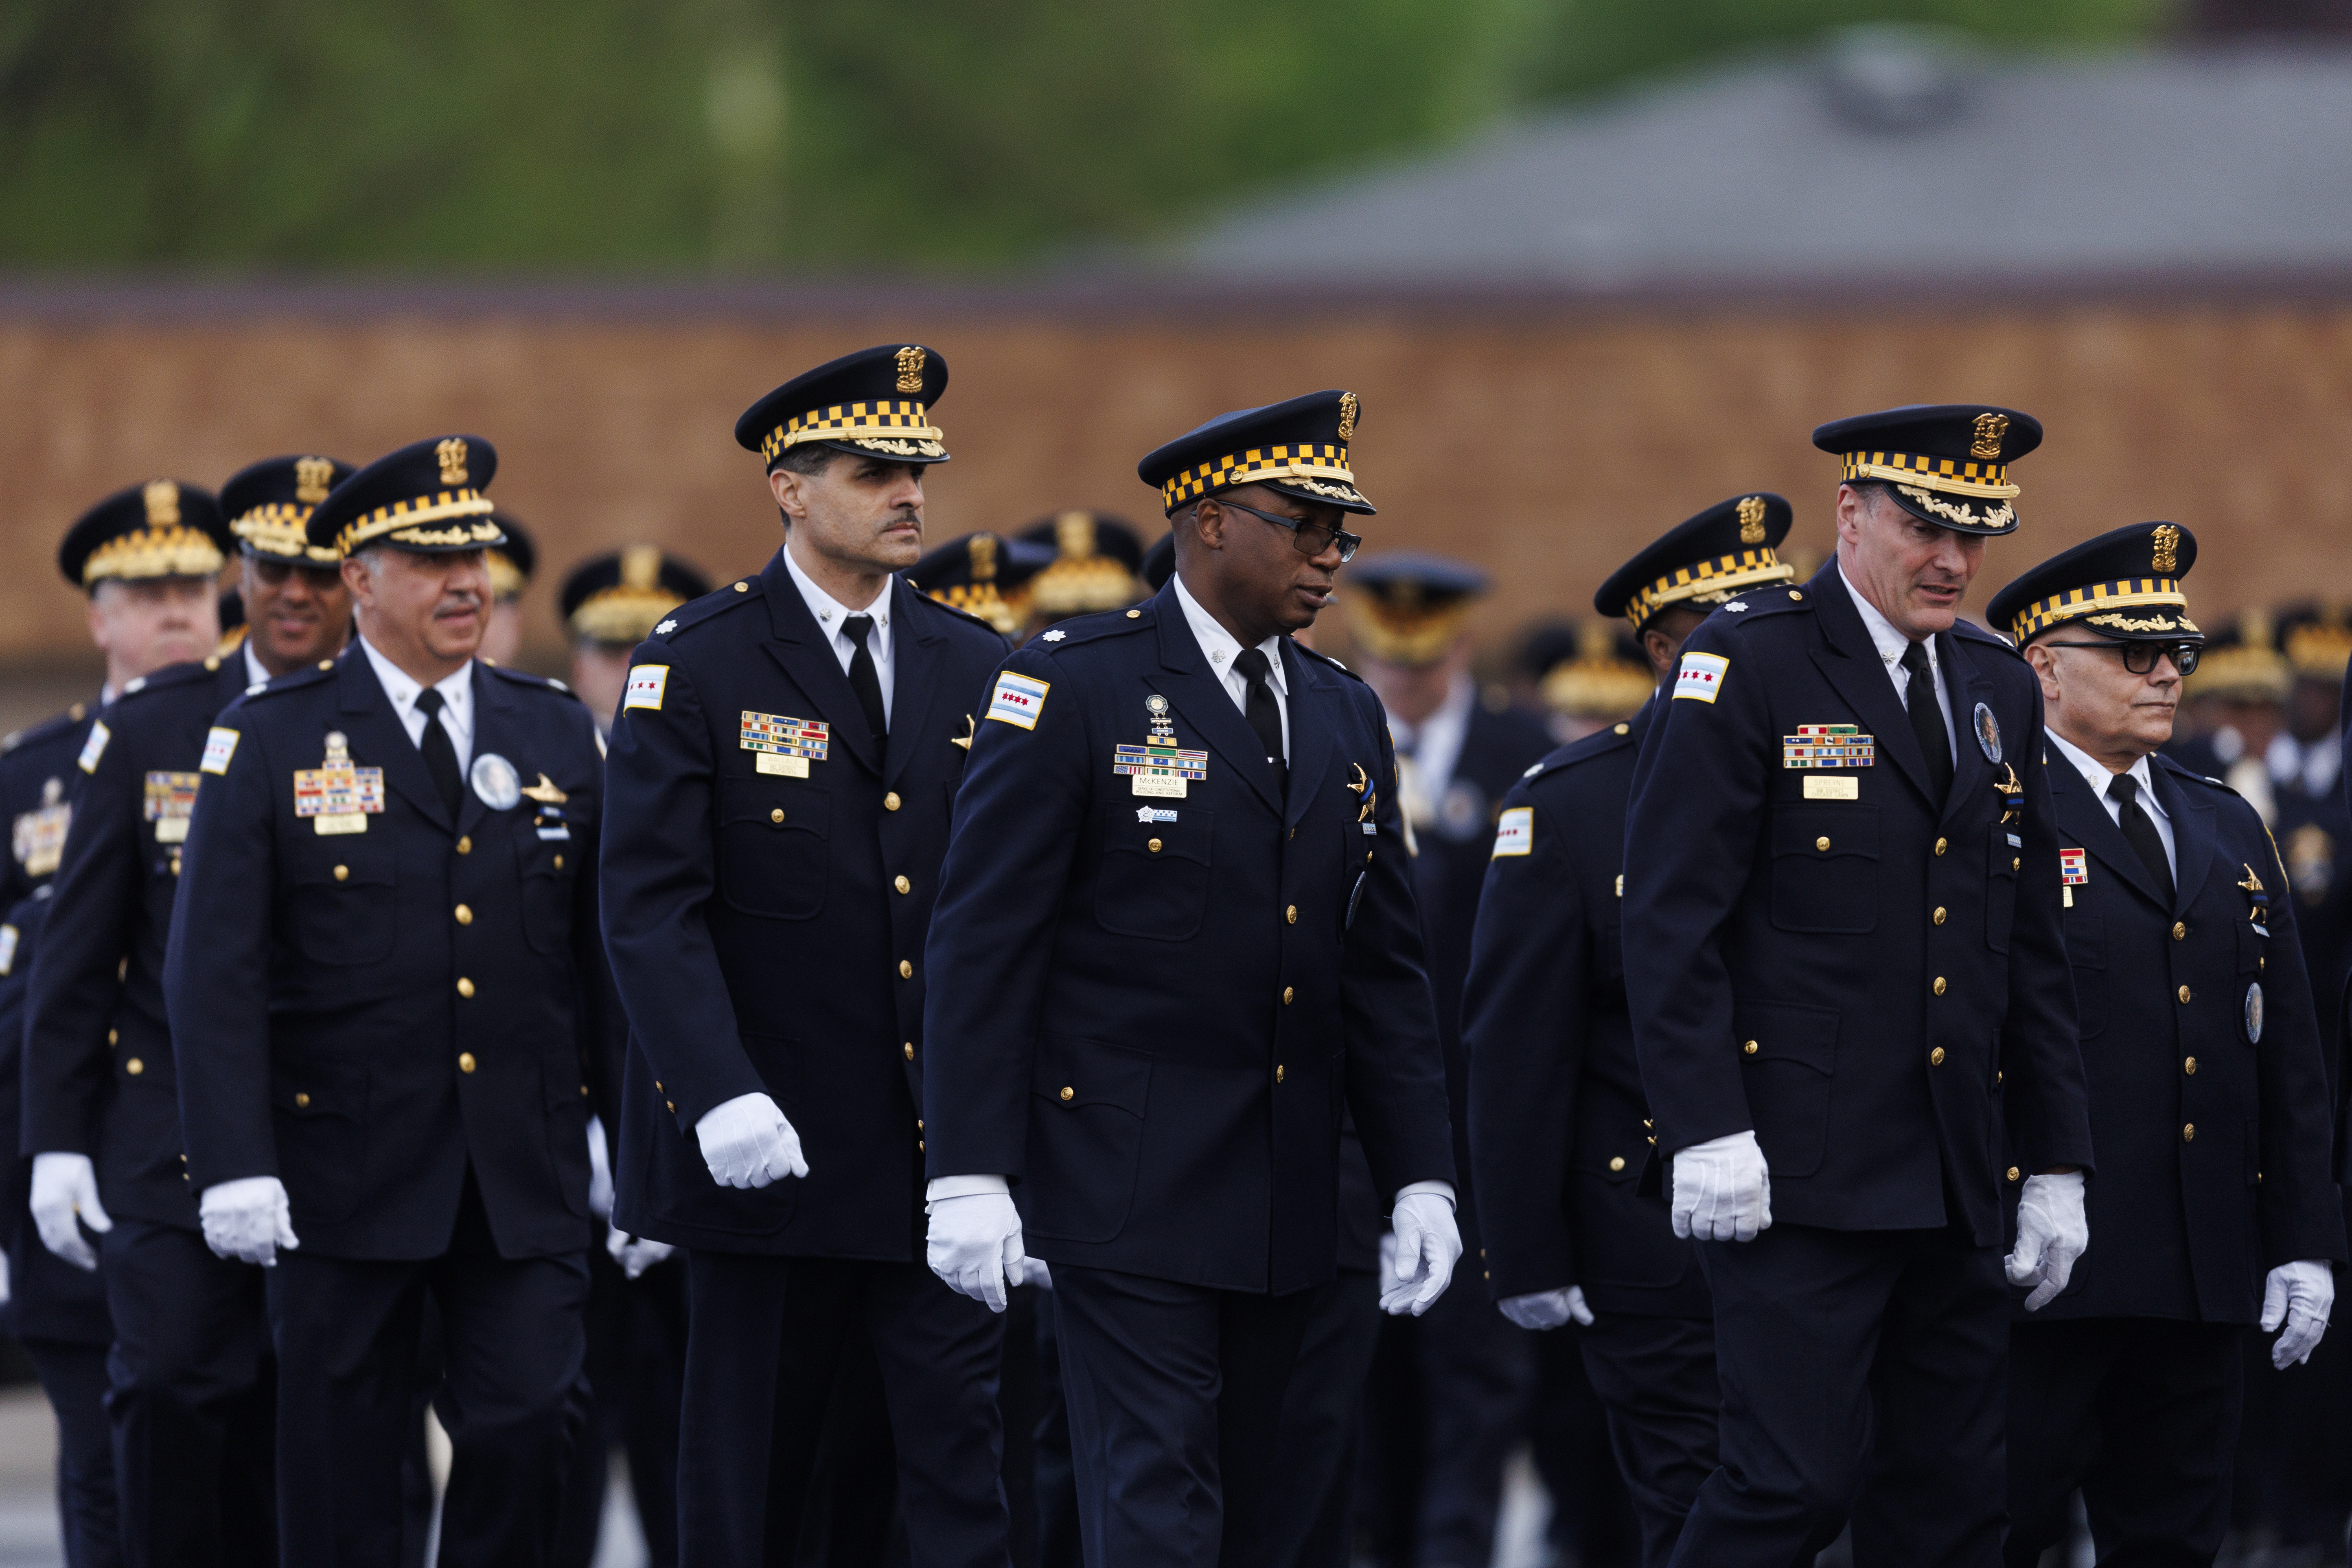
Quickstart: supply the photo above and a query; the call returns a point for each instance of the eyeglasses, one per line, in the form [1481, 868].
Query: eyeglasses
[2140, 658]
[275, 573]
[1310, 539]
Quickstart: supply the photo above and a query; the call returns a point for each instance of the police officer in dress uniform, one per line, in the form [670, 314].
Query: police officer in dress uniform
[984, 574]
[1560, 1130]
[388, 1005]
[1467, 1374]
[193, 1382]
[781, 770]
[1843, 965]
[1095, 566]
[2214, 1204]
[1176, 938]
[611, 603]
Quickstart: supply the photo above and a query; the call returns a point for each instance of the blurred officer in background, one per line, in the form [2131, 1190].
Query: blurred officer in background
[782, 769]
[2201, 1051]
[611, 603]
[510, 567]
[193, 1382]
[1153, 1035]
[1559, 1132]
[2238, 698]
[1408, 623]
[984, 574]
[1588, 678]
[1096, 560]
[1841, 933]
[389, 1003]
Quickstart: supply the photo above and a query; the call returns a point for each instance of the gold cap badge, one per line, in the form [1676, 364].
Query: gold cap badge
[911, 368]
[1751, 520]
[1348, 417]
[312, 476]
[163, 499]
[641, 566]
[982, 554]
[452, 453]
[2168, 543]
[1991, 428]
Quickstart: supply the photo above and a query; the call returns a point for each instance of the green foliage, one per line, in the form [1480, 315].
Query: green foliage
[694, 135]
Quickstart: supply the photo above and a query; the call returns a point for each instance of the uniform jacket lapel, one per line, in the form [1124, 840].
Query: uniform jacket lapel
[800, 646]
[379, 740]
[1966, 686]
[917, 651]
[1311, 730]
[2196, 834]
[2084, 822]
[1849, 662]
[1184, 680]
[494, 731]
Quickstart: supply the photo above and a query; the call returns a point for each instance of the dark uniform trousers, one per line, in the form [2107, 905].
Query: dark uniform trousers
[1559, 1132]
[1873, 980]
[56, 1312]
[765, 924]
[192, 1374]
[1150, 1011]
[412, 1043]
[2210, 1104]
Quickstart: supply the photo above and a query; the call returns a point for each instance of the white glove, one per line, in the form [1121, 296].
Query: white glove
[600, 1173]
[975, 1244]
[2298, 1295]
[2051, 1234]
[248, 1219]
[1427, 1243]
[635, 1254]
[1722, 1191]
[747, 1143]
[65, 1185]
[1549, 1308]
[1033, 1272]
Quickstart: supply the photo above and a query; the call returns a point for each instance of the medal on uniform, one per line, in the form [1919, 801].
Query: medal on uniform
[2073, 871]
[170, 799]
[550, 798]
[494, 780]
[785, 746]
[1830, 746]
[336, 795]
[1988, 734]
[2012, 792]
[38, 840]
[2258, 902]
[1159, 767]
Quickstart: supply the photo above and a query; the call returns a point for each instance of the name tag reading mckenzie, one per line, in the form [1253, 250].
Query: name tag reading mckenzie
[786, 746]
[337, 797]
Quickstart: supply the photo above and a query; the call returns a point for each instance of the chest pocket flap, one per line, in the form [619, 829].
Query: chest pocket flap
[1155, 875]
[1825, 868]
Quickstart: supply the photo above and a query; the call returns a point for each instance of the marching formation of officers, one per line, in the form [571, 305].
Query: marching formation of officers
[1069, 1075]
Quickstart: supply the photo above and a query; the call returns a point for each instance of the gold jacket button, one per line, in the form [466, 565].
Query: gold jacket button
[891, 801]
[559, 862]
[464, 1061]
[2012, 1173]
[1616, 1161]
[1936, 1056]
[326, 664]
[1623, 730]
[342, 873]
[2189, 1067]
[903, 885]
[672, 1104]
[1939, 986]
[657, 1083]
[1068, 1094]
[1153, 846]
[1135, 615]
[114, 1037]
[466, 845]
[134, 1067]
[2015, 861]
[1290, 915]
[464, 915]
[2184, 994]
[584, 1091]
[910, 1048]
[301, 1102]
[2180, 931]
[1821, 844]
[919, 1145]
[1939, 914]
[905, 969]
[1748, 1050]
[742, 587]
[1278, 1072]
[1286, 995]
[465, 986]
[776, 814]
[2188, 1133]
[1942, 845]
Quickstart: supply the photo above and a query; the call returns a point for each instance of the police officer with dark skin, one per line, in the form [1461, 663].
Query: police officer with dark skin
[1843, 965]
[786, 755]
[388, 1005]
[1175, 936]
[2214, 1204]
[1560, 1130]
[191, 1384]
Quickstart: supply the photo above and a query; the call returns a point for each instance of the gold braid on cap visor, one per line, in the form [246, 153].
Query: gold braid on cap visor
[893, 429]
[2075, 603]
[170, 552]
[1724, 574]
[1302, 464]
[401, 522]
[1414, 637]
[280, 530]
[623, 614]
[982, 600]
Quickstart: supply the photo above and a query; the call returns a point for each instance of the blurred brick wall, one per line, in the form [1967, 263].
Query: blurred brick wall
[1544, 441]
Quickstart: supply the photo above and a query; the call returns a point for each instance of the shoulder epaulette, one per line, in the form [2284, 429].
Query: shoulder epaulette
[694, 612]
[529, 681]
[1975, 632]
[301, 679]
[174, 675]
[1069, 634]
[2159, 759]
[1324, 659]
[1600, 743]
[56, 723]
[1758, 604]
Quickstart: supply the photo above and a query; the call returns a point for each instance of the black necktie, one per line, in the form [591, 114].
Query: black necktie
[862, 678]
[1264, 715]
[1927, 720]
[440, 755]
[2124, 789]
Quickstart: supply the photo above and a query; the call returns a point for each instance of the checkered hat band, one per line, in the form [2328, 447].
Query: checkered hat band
[847, 421]
[1720, 575]
[2043, 614]
[1305, 462]
[1987, 480]
[172, 551]
[280, 528]
[404, 514]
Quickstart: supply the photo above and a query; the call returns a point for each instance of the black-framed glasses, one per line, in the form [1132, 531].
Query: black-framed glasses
[1310, 539]
[2140, 658]
[275, 573]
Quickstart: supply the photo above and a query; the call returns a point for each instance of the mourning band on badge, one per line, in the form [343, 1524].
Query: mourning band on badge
[496, 781]
[1988, 734]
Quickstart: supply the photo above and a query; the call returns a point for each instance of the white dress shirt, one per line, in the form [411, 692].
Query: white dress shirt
[2098, 775]
[254, 674]
[456, 702]
[1892, 644]
[831, 612]
[1222, 647]
[1429, 751]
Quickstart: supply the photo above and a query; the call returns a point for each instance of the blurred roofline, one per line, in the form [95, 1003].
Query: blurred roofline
[1095, 294]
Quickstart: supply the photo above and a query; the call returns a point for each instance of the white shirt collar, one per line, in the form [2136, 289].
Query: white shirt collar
[2097, 775]
[1884, 636]
[254, 674]
[456, 700]
[831, 612]
[1222, 647]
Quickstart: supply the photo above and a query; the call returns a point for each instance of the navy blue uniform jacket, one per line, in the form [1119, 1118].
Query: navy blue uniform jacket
[365, 1015]
[2212, 1136]
[758, 921]
[1560, 1133]
[98, 1075]
[37, 785]
[1151, 1025]
[1854, 979]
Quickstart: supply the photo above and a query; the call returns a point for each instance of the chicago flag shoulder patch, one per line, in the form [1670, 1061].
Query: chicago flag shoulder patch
[646, 684]
[1701, 676]
[1514, 832]
[1018, 699]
